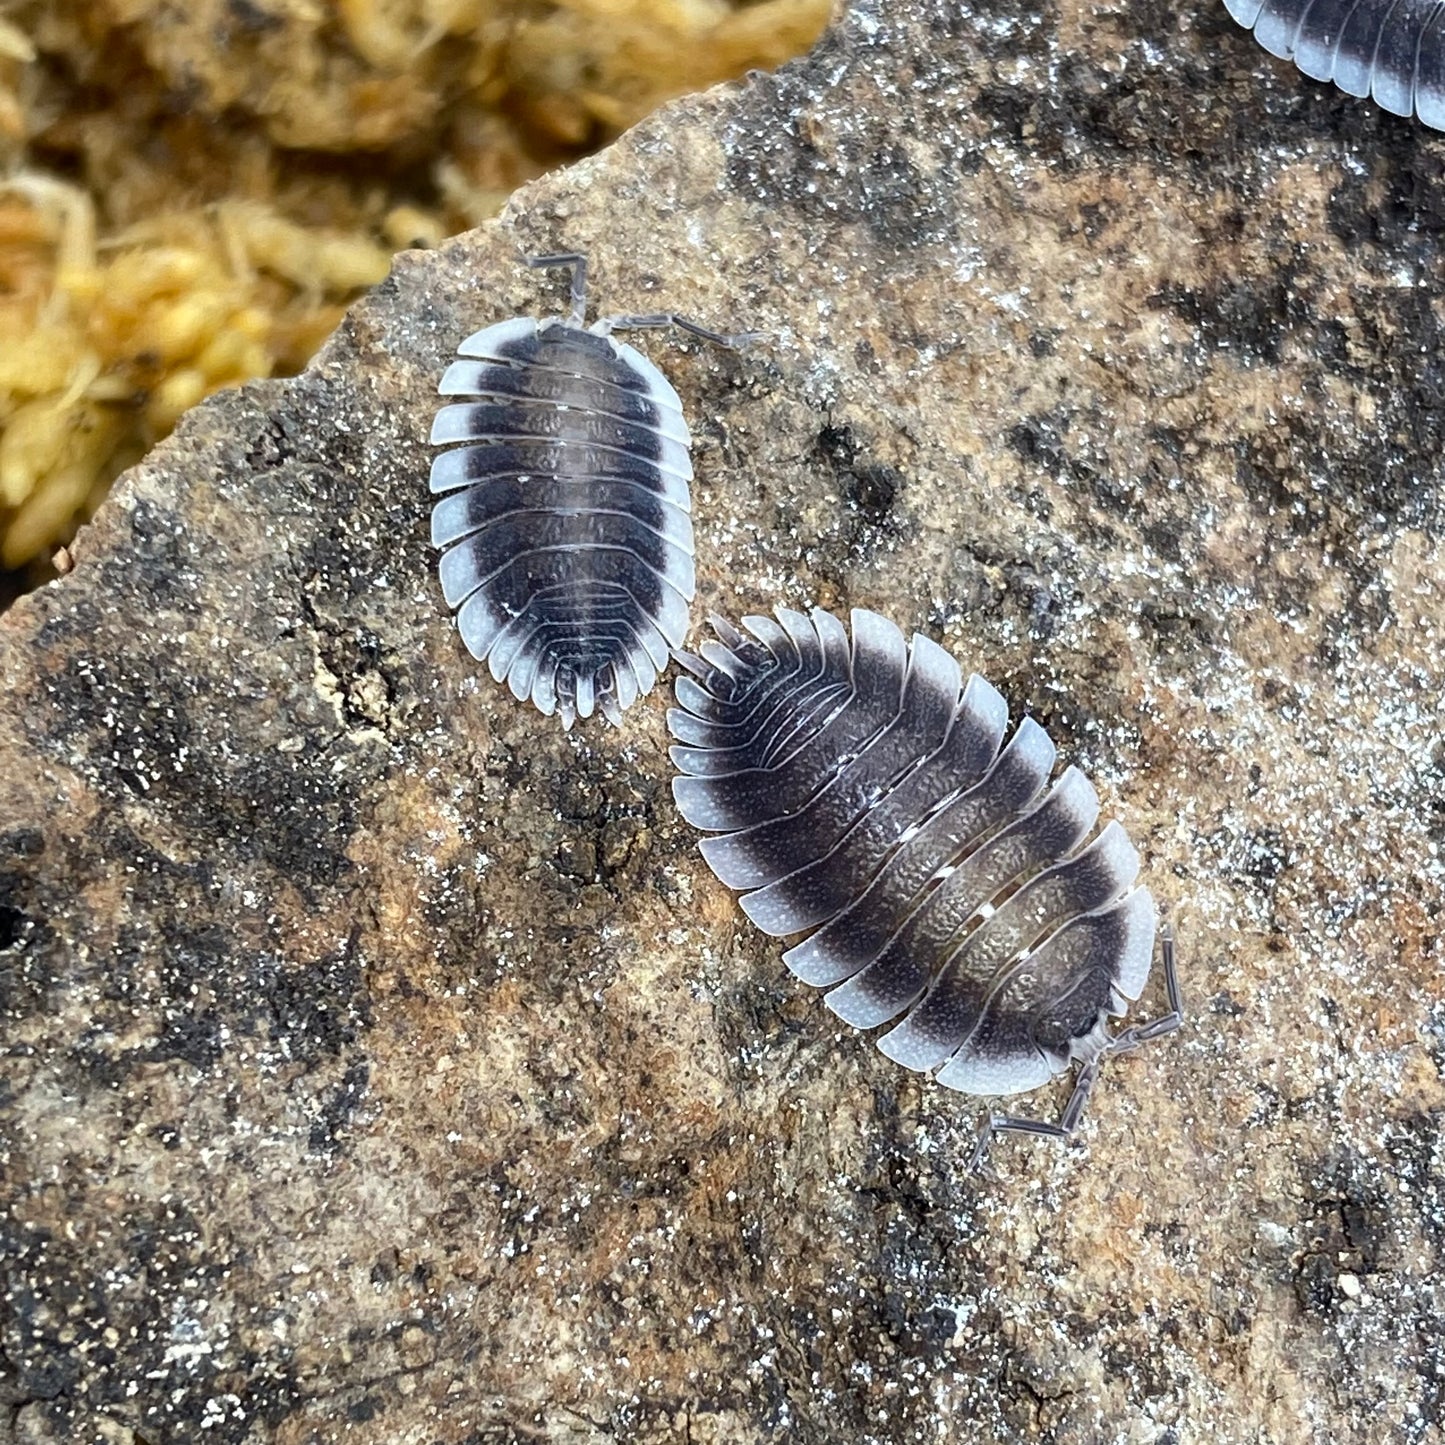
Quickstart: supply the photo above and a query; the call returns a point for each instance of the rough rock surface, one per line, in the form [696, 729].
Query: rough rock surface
[382, 1065]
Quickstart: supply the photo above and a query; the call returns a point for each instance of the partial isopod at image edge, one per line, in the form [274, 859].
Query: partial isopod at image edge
[934, 874]
[1391, 51]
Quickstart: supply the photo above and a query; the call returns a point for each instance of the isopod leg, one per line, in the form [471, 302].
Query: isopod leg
[1068, 1120]
[1131, 1038]
[578, 263]
[661, 319]
[1121, 1043]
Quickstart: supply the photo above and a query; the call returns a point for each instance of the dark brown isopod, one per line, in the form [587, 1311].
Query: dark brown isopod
[860, 793]
[564, 521]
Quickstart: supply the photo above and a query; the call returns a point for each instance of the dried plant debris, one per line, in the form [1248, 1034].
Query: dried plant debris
[196, 193]
[105, 346]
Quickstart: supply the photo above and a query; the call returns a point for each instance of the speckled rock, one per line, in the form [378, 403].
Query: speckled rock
[382, 1065]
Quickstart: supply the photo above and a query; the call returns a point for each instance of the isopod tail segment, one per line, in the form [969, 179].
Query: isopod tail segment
[1122, 1043]
[646, 321]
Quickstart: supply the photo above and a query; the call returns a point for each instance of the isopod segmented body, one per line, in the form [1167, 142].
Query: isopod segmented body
[860, 793]
[564, 522]
[1391, 50]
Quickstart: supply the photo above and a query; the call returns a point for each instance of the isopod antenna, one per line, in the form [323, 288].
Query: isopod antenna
[642, 321]
[578, 262]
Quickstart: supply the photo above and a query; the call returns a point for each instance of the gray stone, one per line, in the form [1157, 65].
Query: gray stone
[382, 1064]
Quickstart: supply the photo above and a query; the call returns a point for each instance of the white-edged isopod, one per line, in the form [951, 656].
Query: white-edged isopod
[564, 519]
[1390, 50]
[860, 792]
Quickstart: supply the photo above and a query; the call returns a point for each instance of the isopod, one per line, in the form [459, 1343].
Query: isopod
[564, 521]
[1391, 50]
[859, 792]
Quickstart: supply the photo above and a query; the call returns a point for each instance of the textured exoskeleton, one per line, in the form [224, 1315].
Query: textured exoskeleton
[564, 522]
[861, 793]
[1391, 50]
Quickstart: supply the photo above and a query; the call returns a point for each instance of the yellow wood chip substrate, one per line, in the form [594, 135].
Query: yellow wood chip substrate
[195, 192]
